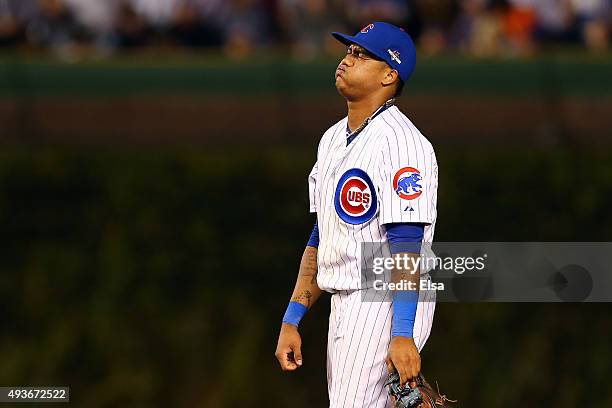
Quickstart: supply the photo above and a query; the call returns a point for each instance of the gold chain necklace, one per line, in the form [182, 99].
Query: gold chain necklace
[365, 123]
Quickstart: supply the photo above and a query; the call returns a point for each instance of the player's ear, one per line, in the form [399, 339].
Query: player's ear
[391, 77]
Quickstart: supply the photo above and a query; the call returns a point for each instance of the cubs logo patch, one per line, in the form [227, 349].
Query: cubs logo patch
[355, 198]
[406, 183]
[367, 28]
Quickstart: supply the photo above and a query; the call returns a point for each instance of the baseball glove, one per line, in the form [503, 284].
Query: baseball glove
[421, 396]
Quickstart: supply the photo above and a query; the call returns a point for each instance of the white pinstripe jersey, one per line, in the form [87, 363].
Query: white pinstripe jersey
[388, 174]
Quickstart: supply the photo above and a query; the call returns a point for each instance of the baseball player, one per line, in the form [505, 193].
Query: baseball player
[375, 180]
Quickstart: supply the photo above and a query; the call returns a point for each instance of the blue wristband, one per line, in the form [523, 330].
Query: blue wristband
[295, 312]
[404, 313]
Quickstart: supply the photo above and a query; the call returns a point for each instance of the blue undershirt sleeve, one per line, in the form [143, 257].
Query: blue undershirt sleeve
[404, 237]
[314, 236]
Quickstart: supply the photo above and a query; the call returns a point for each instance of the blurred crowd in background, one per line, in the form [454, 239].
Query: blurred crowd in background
[241, 27]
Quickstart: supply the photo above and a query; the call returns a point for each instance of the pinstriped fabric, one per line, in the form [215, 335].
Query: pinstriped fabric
[389, 143]
[359, 332]
[358, 341]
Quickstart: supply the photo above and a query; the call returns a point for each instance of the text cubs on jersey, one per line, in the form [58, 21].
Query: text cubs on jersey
[355, 199]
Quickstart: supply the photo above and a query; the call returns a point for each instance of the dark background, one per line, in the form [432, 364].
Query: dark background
[153, 203]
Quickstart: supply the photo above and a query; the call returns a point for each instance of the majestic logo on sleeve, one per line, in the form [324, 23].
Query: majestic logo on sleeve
[355, 198]
[406, 183]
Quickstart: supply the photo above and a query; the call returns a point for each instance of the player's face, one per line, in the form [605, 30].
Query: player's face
[359, 73]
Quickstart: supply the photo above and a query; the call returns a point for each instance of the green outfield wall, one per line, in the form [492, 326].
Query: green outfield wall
[158, 278]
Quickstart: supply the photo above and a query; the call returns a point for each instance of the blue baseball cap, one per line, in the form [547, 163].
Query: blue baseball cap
[388, 42]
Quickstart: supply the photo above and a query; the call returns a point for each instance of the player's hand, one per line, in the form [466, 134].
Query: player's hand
[404, 356]
[289, 348]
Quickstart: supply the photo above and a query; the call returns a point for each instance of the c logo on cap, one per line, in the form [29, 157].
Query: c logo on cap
[367, 28]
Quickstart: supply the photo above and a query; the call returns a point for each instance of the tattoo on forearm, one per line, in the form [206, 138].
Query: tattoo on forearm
[306, 290]
[308, 267]
[304, 296]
